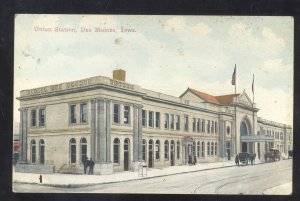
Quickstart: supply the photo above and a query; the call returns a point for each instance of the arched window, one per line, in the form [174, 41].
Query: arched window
[166, 150]
[212, 149]
[216, 148]
[178, 149]
[83, 149]
[157, 150]
[208, 148]
[116, 150]
[198, 149]
[126, 144]
[33, 151]
[194, 148]
[244, 129]
[42, 151]
[144, 150]
[203, 149]
[72, 151]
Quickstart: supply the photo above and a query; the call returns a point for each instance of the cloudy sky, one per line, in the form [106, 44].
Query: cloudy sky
[165, 54]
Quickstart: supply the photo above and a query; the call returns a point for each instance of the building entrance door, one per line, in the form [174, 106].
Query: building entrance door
[150, 155]
[126, 154]
[172, 153]
[244, 146]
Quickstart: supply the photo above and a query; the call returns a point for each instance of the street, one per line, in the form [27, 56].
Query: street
[251, 179]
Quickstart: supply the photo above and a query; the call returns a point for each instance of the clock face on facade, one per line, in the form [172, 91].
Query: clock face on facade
[228, 130]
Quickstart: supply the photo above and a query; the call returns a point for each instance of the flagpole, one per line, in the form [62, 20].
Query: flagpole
[235, 112]
[253, 112]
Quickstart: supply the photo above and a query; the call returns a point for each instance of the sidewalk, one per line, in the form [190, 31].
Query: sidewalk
[71, 180]
[284, 189]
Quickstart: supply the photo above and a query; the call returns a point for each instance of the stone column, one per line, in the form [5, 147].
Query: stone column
[137, 136]
[140, 133]
[23, 136]
[93, 128]
[103, 164]
[97, 146]
[102, 135]
[108, 131]
[222, 138]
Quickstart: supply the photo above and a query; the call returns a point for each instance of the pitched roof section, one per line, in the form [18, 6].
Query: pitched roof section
[226, 99]
[221, 100]
[205, 96]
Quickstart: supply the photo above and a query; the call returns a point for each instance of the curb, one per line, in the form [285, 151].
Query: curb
[135, 179]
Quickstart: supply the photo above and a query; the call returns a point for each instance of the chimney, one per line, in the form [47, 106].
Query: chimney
[119, 74]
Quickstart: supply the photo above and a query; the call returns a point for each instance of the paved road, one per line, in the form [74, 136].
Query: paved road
[232, 180]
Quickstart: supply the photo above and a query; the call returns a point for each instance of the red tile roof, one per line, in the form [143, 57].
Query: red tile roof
[205, 96]
[224, 99]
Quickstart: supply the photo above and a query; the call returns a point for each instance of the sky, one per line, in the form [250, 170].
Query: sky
[166, 54]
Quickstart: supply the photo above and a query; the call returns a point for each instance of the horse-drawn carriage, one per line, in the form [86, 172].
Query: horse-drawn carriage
[273, 155]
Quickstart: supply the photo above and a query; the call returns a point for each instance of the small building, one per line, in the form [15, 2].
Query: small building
[121, 125]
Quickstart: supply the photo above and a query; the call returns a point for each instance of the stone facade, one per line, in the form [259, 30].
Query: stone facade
[121, 125]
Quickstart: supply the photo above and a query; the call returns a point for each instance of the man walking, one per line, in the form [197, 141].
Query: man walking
[85, 164]
[91, 166]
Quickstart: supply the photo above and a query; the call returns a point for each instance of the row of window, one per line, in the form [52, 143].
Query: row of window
[172, 122]
[212, 149]
[83, 113]
[149, 118]
[41, 117]
[275, 134]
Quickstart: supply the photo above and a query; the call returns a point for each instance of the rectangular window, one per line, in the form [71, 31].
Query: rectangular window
[177, 122]
[126, 114]
[208, 126]
[212, 126]
[116, 113]
[33, 117]
[194, 124]
[73, 114]
[42, 114]
[144, 118]
[157, 119]
[198, 125]
[186, 123]
[151, 119]
[203, 126]
[166, 123]
[172, 122]
[83, 112]
[216, 130]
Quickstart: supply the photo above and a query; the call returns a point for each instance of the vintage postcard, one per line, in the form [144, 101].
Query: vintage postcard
[153, 104]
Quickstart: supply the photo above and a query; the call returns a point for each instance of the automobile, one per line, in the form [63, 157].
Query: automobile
[272, 155]
[244, 158]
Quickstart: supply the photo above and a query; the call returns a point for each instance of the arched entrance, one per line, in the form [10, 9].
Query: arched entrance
[245, 129]
[150, 154]
[172, 153]
[126, 154]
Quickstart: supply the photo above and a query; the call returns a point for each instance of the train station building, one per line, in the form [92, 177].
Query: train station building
[122, 125]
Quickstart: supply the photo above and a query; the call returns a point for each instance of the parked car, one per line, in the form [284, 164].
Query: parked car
[272, 155]
[244, 158]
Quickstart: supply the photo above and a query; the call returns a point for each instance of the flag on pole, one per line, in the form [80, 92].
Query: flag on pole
[253, 84]
[233, 76]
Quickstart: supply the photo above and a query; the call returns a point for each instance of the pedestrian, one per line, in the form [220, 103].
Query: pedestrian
[41, 178]
[228, 155]
[91, 166]
[85, 164]
[195, 160]
[254, 157]
[237, 159]
[251, 158]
